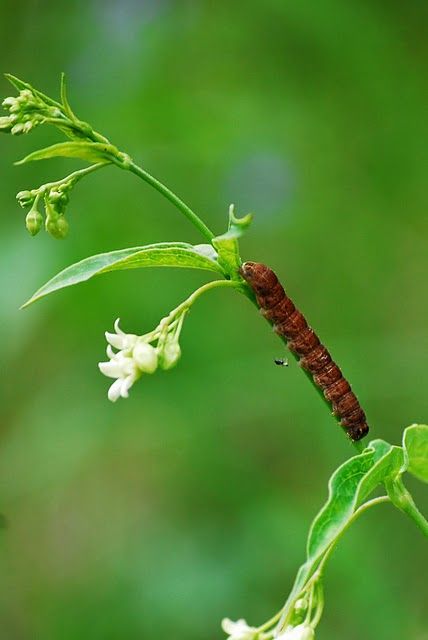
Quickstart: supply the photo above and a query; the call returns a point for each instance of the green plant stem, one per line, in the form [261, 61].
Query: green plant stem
[186, 304]
[76, 175]
[172, 197]
[402, 499]
[311, 571]
[80, 173]
[267, 625]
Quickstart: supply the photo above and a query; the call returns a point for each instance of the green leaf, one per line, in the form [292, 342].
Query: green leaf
[227, 244]
[163, 254]
[64, 99]
[90, 151]
[415, 443]
[349, 486]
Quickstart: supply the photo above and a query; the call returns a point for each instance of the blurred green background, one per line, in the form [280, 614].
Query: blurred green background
[157, 516]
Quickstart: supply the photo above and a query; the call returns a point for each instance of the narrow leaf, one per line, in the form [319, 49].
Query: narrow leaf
[90, 151]
[227, 244]
[415, 443]
[66, 105]
[163, 254]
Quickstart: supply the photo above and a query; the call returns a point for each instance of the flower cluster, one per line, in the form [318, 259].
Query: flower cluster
[55, 198]
[301, 632]
[240, 630]
[25, 112]
[135, 355]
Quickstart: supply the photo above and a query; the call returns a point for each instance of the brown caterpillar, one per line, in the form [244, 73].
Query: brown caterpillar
[302, 340]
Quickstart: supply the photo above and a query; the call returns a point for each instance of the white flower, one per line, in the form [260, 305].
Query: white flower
[135, 357]
[301, 632]
[238, 630]
[120, 339]
[124, 369]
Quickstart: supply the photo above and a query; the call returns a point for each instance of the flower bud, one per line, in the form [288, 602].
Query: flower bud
[54, 195]
[301, 632]
[301, 604]
[26, 96]
[146, 357]
[15, 107]
[25, 198]
[17, 129]
[58, 199]
[6, 124]
[9, 102]
[169, 355]
[57, 227]
[27, 126]
[34, 221]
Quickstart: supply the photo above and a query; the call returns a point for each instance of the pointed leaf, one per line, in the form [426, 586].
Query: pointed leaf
[163, 254]
[90, 151]
[415, 443]
[64, 99]
[227, 244]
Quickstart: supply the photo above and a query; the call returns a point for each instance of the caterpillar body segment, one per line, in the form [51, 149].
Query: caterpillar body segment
[301, 339]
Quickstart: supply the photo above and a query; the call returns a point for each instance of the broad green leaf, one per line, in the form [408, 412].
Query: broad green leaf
[90, 151]
[415, 443]
[163, 254]
[387, 462]
[227, 244]
[349, 486]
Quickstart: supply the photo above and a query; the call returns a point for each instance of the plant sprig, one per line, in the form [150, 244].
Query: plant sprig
[130, 356]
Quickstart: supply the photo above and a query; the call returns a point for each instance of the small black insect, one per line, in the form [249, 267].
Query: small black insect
[281, 362]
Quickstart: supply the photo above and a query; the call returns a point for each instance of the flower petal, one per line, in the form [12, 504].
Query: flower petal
[111, 369]
[115, 340]
[238, 630]
[122, 341]
[116, 326]
[126, 385]
[114, 391]
[145, 356]
[110, 353]
[301, 632]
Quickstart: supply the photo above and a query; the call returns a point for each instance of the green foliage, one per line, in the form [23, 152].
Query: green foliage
[21, 85]
[227, 244]
[415, 443]
[351, 484]
[162, 254]
[89, 151]
[349, 487]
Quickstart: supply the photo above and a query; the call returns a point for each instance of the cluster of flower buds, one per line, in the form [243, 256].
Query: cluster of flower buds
[55, 198]
[56, 201]
[26, 111]
[136, 355]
